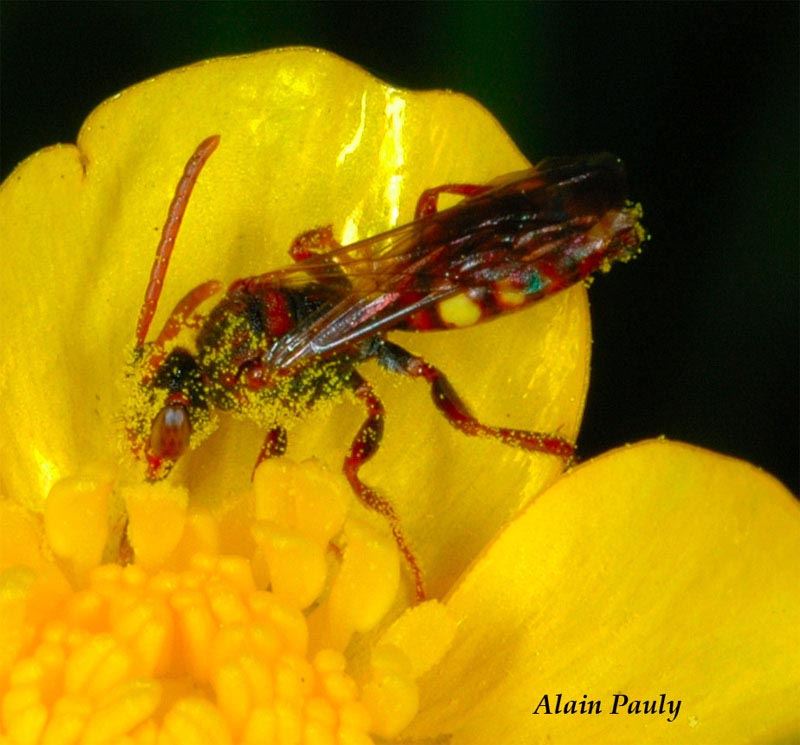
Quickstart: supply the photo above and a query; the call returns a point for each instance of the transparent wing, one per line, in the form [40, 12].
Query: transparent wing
[368, 265]
[533, 221]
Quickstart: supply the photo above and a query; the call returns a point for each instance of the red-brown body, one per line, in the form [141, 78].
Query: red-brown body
[278, 342]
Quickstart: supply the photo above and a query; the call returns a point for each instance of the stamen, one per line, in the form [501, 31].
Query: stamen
[76, 519]
[200, 653]
[156, 520]
[193, 656]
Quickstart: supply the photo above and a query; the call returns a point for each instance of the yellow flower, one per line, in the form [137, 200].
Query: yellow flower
[655, 569]
[306, 140]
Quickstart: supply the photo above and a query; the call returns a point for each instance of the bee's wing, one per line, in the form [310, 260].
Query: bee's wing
[533, 220]
[383, 274]
[409, 268]
[352, 319]
[367, 265]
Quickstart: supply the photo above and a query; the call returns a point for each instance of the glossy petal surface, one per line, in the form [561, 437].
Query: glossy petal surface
[307, 140]
[658, 568]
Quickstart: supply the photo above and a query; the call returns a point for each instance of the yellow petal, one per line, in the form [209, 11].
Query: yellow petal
[307, 139]
[658, 568]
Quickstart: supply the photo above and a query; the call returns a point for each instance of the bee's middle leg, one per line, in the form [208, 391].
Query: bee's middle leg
[428, 202]
[314, 248]
[364, 446]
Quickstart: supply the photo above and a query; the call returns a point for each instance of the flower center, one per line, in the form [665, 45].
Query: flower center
[185, 646]
[200, 655]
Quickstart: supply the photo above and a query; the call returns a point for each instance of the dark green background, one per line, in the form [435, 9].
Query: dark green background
[697, 339]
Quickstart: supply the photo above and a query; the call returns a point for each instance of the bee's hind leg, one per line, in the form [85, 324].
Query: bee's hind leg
[397, 359]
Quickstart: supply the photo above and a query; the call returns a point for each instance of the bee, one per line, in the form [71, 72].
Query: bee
[278, 343]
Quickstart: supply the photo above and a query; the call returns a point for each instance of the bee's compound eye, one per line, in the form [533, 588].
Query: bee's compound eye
[170, 433]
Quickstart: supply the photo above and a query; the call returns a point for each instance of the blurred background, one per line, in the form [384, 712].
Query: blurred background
[698, 338]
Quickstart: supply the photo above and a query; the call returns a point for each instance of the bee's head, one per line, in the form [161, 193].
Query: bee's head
[171, 408]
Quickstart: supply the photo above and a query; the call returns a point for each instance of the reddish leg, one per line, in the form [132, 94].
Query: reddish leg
[363, 448]
[313, 243]
[125, 554]
[314, 248]
[274, 446]
[428, 201]
[456, 412]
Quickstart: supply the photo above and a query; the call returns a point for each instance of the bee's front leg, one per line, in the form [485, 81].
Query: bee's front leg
[274, 446]
[397, 359]
[364, 446]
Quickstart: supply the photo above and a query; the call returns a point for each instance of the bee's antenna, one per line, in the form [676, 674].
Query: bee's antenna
[177, 208]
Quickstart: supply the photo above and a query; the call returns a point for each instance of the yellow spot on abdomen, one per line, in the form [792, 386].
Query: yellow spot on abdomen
[511, 298]
[459, 311]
